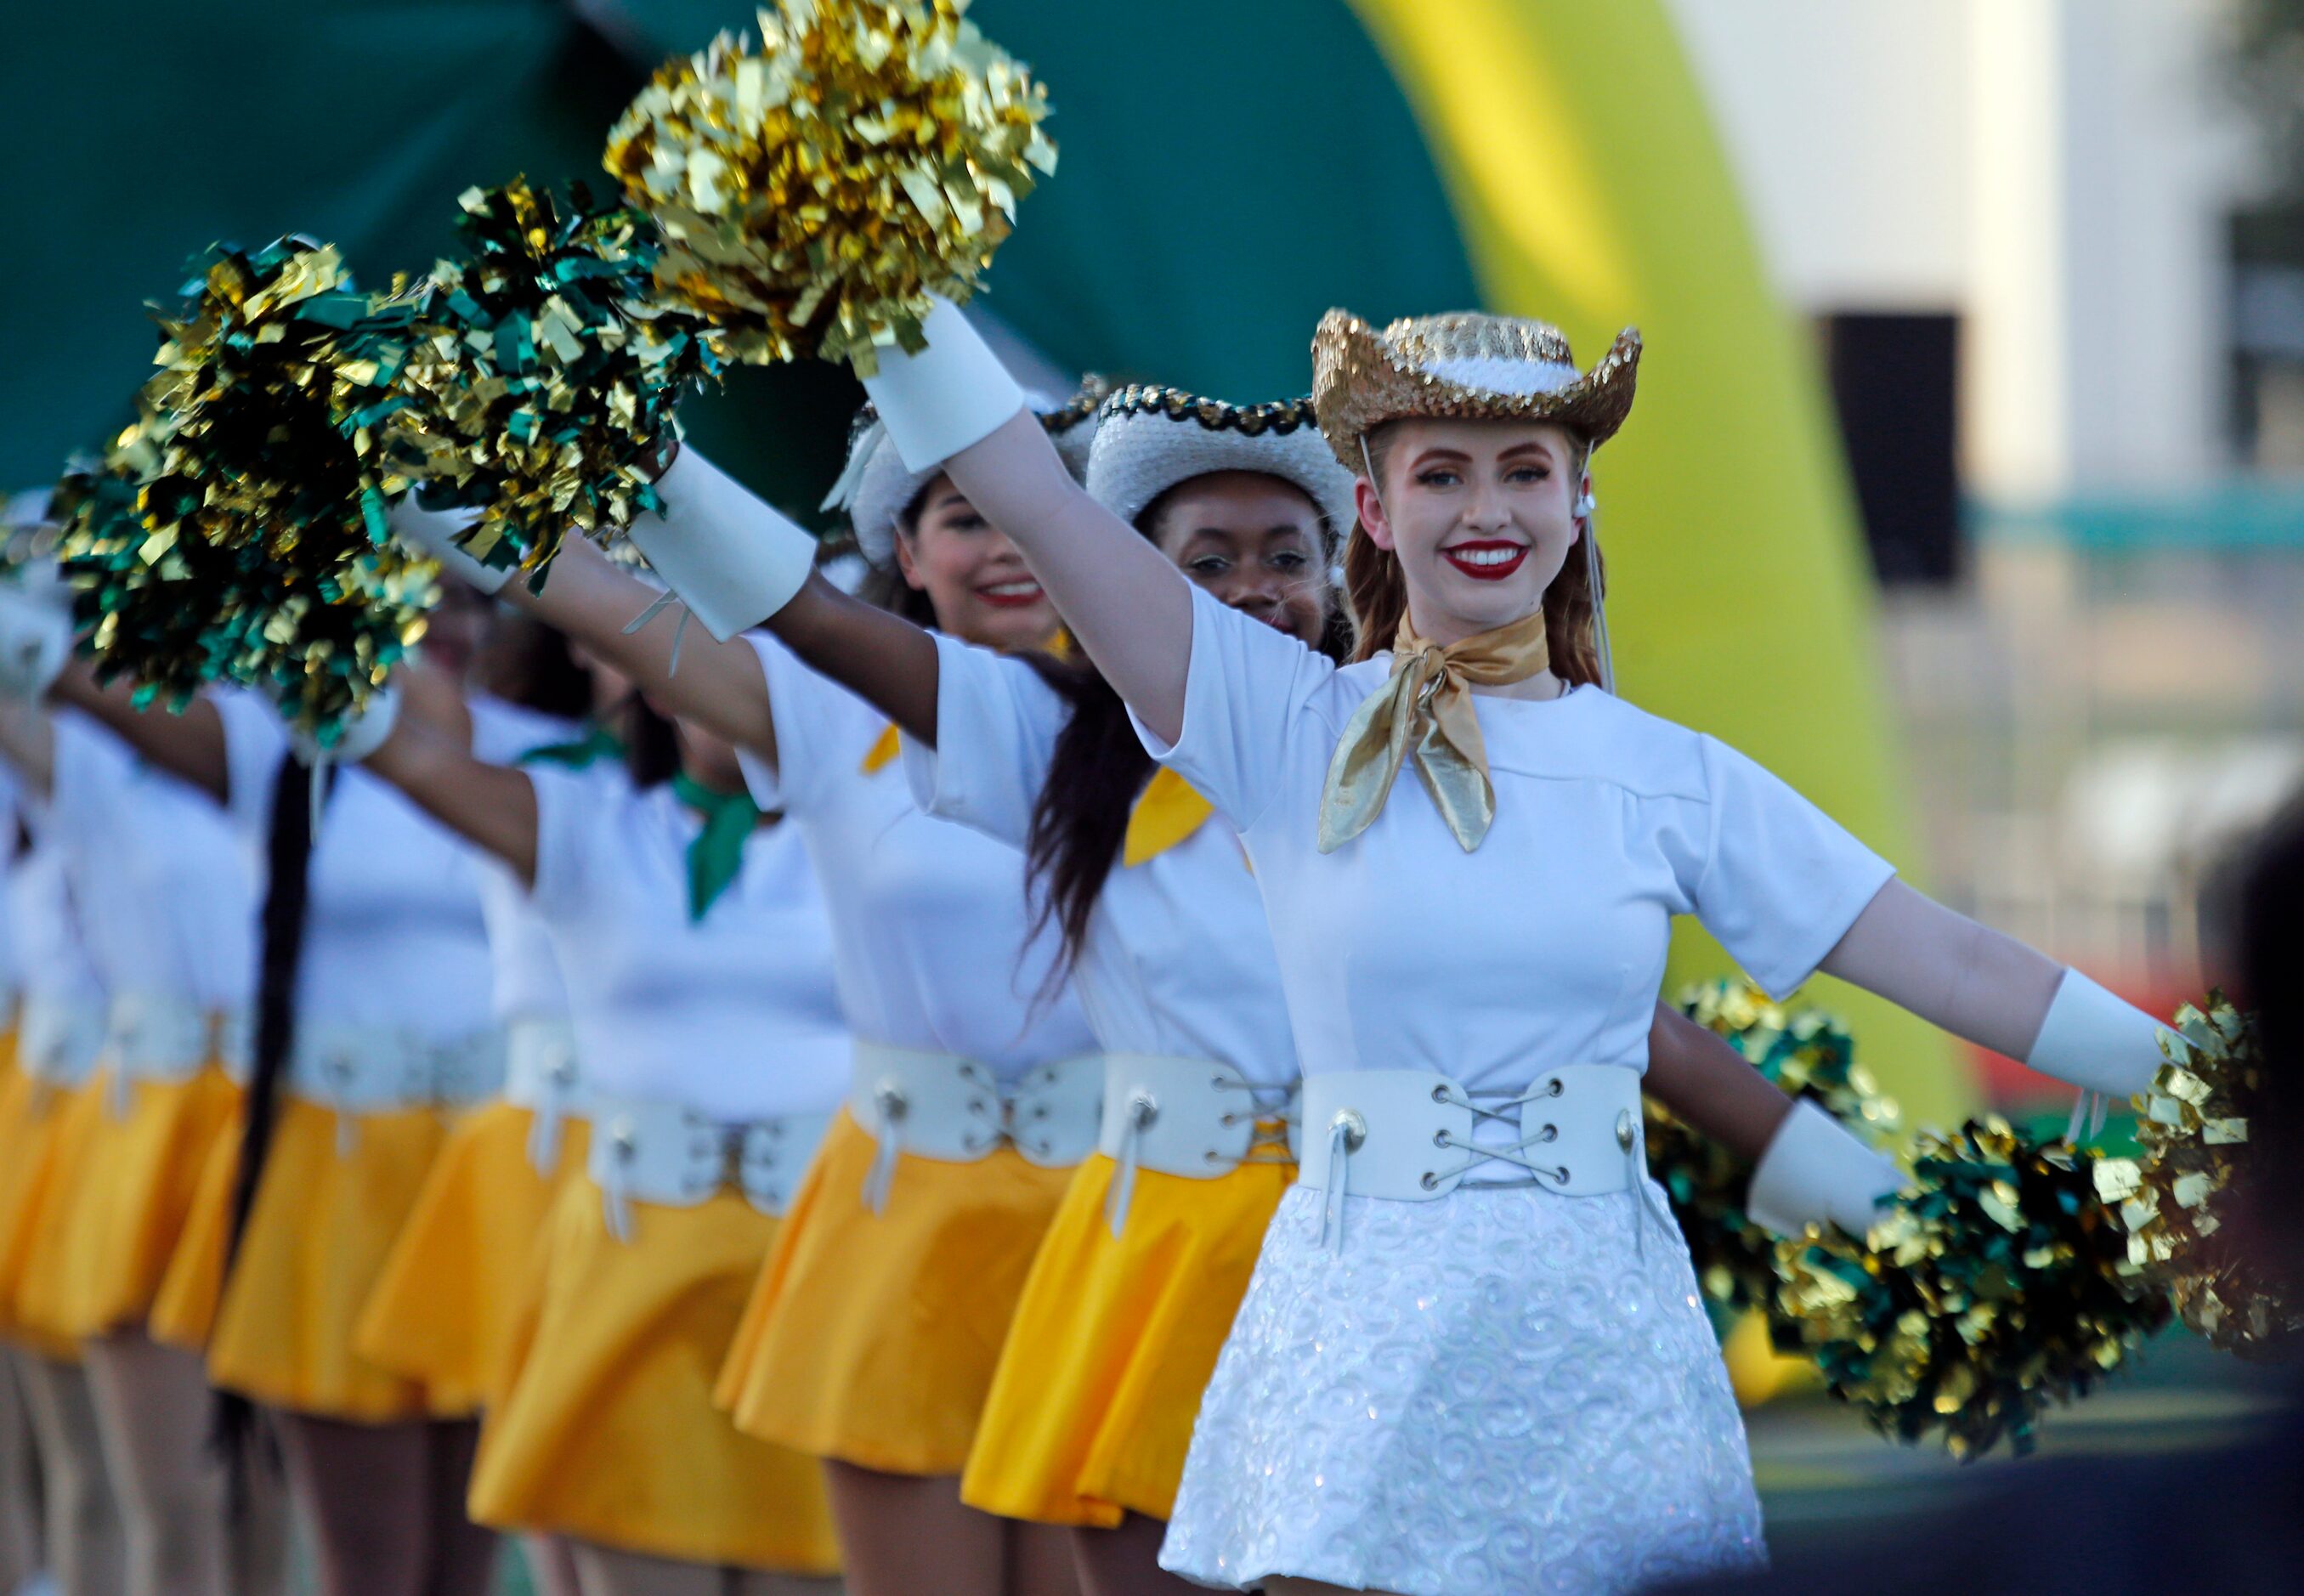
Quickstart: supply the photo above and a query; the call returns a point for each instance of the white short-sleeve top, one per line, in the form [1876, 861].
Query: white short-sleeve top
[1177, 961]
[525, 980]
[394, 934]
[51, 956]
[733, 1015]
[1547, 946]
[931, 936]
[161, 878]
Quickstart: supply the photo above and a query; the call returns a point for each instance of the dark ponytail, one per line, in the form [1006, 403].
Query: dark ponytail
[287, 892]
[1080, 818]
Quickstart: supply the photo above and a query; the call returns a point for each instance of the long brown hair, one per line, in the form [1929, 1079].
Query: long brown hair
[1378, 593]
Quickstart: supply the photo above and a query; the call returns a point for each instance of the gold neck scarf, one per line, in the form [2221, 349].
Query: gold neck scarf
[1426, 708]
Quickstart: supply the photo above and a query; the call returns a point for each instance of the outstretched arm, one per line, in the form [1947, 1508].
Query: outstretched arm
[493, 807]
[28, 742]
[1695, 1073]
[1129, 608]
[716, 528]
[189, 743]
[1997, 992]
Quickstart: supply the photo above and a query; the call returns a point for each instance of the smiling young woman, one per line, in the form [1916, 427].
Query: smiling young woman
[1514, 1383]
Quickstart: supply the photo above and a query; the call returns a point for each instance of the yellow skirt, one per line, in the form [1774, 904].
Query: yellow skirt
[183, 1311]
[1113, 1342]
[39, 1123]
[872, 1338]
[605, 1430]
[124, 1191]
[316, 1239]
[442, 1311]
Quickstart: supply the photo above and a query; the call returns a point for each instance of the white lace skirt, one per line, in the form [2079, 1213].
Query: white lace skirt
[1498, 1393]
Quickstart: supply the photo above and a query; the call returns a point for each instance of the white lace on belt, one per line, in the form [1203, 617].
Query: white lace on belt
[1267, 1115]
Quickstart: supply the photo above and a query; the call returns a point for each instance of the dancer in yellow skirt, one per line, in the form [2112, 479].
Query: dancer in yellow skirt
[372, 1031]
[59, 1030]
[699, 989]
[163, 894]
[1137, 1283]
[879, 1317]
[444, 1306]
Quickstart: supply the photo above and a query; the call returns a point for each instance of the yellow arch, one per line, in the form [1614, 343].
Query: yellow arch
[1590, 191]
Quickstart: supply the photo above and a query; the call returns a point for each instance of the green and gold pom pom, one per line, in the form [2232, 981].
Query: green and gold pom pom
[1990, 1289]
[234, 534]
[814, 189]
[1804, 1054]
[542, 374]
[2174, 1198]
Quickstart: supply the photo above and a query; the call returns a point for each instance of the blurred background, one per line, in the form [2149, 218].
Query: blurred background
[1967, 484]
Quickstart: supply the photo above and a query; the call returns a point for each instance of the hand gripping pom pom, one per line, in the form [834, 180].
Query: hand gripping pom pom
[1804, 1054]
[541, 377]
[2174, 1198]
[815, 191]
[233, 533]
[1989, 1290]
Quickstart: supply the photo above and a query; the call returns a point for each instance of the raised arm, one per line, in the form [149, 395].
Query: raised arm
[736, 562]
[28, 742]
[1128, 607]
[493, 807]
[189, 743]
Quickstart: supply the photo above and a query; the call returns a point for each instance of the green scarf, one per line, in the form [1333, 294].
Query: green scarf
[597, 743]
[717, 854]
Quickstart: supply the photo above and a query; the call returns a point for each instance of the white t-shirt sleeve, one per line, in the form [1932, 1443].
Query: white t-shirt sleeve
[88, 785]
[996, 727]
[816, 722]
[1781, 881]
[572, 810]
[1245, 691]
[502, 733]
[254, 745]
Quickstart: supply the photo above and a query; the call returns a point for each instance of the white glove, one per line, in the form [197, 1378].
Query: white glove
[363, 732]
[953, 394]
[433, 532]
[36, 629]
[730, 558]
[2097, 1041]
[1815, 1172]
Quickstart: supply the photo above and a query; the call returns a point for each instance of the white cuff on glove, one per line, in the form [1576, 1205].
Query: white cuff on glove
[35, 631]
[953, 394]
[731, 558]
[2097, 1041]
[361, 733]
[1815, 1172]
[434, 533]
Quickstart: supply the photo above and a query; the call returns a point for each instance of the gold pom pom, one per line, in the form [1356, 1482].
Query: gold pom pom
[816, 189]
[2172, 1198]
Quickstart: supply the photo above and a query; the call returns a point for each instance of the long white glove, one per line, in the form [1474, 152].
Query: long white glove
[363, 732]
[953, 394]
[2098, 1042]
[729, 556]
[1815, 1172]
[434, 533]
[35, 630]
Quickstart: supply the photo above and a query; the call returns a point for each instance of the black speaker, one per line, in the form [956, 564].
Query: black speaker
[1895, 384]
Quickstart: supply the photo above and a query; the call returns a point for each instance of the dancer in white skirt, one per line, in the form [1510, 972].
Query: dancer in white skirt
[1474, 1360]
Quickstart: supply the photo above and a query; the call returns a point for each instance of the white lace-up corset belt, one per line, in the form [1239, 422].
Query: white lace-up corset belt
[941, 1105]
[542, 1076]
[1189, 1116]
[150, 1037]
[57, 1043]
[356, 1070]
[1409, 1135]
[673, 1156]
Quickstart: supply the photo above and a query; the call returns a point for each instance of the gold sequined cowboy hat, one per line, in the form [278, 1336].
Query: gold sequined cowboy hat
[1466, 364]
